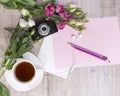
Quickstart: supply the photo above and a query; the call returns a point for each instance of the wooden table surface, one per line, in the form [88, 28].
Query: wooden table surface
[92, 81]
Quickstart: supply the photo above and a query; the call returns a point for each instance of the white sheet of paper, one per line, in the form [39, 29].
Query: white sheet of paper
[46, 56]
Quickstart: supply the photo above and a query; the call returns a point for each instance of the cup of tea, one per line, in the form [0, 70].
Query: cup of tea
[24, 71]
[26, 74]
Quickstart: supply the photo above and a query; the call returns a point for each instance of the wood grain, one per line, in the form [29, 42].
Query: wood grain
[92, 81]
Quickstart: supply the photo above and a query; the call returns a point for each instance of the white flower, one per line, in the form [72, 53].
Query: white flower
[31, 22]
[25, 12]
[22, 23]
[72, 6]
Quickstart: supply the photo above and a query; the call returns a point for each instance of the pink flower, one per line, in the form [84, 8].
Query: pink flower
[61, 25]
[49, 10]
[59, 8]
[65, 15]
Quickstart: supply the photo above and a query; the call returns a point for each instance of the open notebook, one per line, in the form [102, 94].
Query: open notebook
[102, 36]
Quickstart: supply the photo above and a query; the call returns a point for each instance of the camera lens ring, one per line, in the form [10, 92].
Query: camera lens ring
[43, 29]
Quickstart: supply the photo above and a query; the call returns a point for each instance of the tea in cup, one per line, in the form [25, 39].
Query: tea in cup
[24, 71]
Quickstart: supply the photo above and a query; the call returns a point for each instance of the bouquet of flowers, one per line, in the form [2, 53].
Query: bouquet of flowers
[38, 21]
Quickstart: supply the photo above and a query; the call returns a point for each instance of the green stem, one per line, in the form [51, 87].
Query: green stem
[2, 71]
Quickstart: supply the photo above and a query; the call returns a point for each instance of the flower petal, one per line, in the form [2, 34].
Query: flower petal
[22, 23]
[49, 10]
[31, 22]
[61, 25]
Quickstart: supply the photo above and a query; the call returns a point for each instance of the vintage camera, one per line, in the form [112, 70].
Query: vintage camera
[43, 28]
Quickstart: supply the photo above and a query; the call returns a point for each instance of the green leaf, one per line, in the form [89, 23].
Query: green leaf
[19, 6]
[8, 52]
[25, 40]
[3, 90]
[52, 1]
[15, 33]
[4, 62]
[4, 1]
[38, 12]
[9, 5]
[26, 48]
[14, 48]
[26, 2]
[30, 2]
[57, 18]
[22, 48]
[10, 64]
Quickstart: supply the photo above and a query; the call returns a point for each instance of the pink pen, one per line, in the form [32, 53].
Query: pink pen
[102, 57]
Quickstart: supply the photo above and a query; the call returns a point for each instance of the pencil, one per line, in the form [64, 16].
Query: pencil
[95, 54]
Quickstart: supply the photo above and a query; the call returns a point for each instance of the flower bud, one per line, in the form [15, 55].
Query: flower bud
[61, 25]
[72, 6]
[82, 28]
[72, 10]
[79, 23]
[49, 10]
[25, 12]
[78, 12]
[72, 22]
[85, 15]
[33, 32]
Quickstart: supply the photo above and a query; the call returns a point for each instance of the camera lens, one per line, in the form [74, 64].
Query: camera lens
[43, 29]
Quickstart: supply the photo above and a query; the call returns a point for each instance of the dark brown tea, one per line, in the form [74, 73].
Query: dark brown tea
[24, 71]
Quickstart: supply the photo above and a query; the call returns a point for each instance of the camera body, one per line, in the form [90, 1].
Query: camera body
[43, 28]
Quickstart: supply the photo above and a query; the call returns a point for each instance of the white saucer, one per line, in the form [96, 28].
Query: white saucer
[25, 86]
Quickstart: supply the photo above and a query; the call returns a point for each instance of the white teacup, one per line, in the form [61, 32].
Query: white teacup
[29, 84]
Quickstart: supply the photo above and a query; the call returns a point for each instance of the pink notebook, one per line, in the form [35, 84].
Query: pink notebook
[102, 36]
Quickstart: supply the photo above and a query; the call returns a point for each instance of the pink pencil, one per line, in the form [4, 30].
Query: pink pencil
[95, 54]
